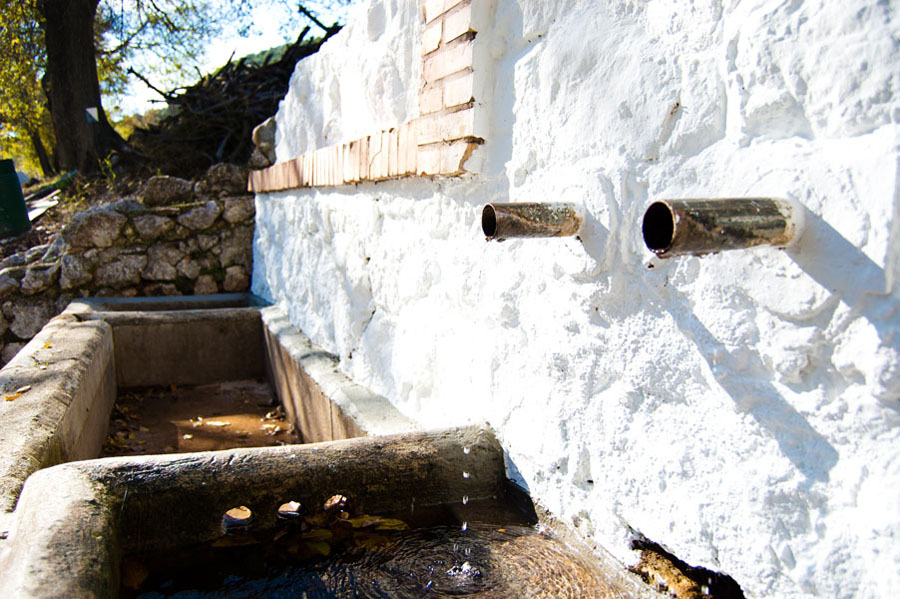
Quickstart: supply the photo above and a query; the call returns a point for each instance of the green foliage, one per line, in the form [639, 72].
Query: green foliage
[166, 35]
[23, 113]
[160, 38]
[126, 125]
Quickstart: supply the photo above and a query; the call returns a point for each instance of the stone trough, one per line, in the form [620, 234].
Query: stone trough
[67, 519]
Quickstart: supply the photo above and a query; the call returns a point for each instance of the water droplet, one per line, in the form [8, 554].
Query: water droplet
[466, 450]
[465, 527]
[465, 499]
[466, 474]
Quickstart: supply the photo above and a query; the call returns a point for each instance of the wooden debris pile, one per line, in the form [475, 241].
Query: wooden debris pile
[212, 121]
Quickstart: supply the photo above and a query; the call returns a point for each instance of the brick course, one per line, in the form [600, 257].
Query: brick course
[437, 143]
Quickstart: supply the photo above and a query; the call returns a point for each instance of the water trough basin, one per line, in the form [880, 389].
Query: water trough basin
[68, 520]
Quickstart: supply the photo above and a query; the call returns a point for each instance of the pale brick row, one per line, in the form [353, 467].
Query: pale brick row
[445, 158]
[388, 155]
[385, 155]
[457, 22]
[432, 9]
[431, 36]
[449, 59]
[446, 126]
[455, 90]
[439, 142]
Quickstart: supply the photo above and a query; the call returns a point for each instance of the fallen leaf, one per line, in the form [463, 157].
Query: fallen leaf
[143, 429]
[48, 345]
[187, 436]
[318, 535]
[12, 397]
[370, 540]
[320, 548]
[217, 423]
[134, 574]
[23, 389]
[378, 522]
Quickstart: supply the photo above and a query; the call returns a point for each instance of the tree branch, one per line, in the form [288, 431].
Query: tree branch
[165, 95]
[312, 18]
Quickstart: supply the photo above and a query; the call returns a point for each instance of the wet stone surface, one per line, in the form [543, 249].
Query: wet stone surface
[196, 418]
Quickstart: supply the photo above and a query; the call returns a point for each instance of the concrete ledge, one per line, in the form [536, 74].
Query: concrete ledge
[71, 546]
[70, 368]
[322, 402]
[187, 341]
[168, 304]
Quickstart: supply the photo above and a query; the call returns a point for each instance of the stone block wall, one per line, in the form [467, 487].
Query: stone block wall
[136, 246]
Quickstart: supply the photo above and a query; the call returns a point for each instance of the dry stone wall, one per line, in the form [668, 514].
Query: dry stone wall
[176, 237]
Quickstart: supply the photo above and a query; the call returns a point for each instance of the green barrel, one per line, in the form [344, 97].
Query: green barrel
[13, 214]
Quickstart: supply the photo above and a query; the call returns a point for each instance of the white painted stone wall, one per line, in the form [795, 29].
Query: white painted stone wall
[741, 409]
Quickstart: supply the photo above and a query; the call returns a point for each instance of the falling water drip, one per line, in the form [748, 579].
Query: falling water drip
[465, 526]
[466, 474]
[465, 499]
[466, 450]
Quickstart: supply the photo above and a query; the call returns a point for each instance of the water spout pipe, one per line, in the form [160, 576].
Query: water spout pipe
[503, 221]
[697, 227]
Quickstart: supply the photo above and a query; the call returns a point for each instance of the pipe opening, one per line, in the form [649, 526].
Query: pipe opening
[658, 227]
[489, 221]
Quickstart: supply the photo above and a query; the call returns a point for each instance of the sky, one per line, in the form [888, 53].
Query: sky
[267, 33]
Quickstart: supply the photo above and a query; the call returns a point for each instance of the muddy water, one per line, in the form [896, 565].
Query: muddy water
[500, 555]
[196, 418]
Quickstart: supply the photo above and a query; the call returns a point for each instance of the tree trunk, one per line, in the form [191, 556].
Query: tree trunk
[39, 149]
[74, 86]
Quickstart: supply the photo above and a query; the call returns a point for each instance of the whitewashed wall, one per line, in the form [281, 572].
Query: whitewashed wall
[741, 409]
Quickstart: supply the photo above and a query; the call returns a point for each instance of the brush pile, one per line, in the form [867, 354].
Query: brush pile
[212, 121]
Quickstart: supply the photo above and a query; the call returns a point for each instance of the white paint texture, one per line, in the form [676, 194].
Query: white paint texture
[741, 409]
[363, 80]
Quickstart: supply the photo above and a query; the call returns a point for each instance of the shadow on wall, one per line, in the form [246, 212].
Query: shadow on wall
[855, 279]
[809, 451]
[843, 269]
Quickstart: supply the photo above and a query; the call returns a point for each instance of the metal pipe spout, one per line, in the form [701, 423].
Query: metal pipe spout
[503, 221]
[698, 227]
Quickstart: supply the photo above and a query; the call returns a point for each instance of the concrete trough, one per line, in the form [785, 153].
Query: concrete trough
[67, 519]
[75, 521]
[59, 389]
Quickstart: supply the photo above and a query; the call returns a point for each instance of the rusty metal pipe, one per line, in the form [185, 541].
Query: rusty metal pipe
[503, 221]
[697, 227]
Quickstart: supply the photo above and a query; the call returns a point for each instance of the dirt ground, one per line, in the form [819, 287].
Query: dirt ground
[196, 418]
